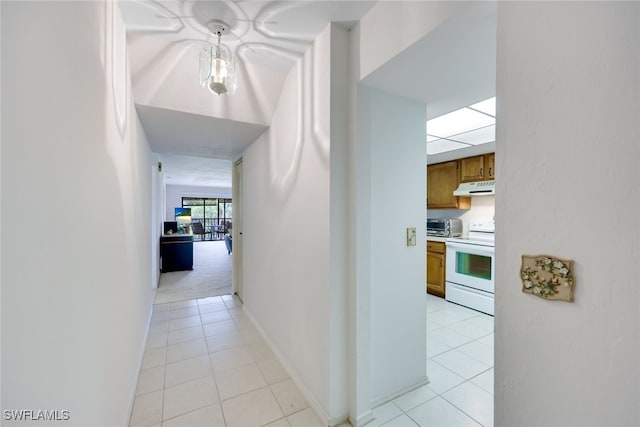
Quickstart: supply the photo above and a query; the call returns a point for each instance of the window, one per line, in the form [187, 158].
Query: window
[213, 213]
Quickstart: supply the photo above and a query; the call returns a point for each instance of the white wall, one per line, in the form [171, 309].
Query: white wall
[393, 128]
[392, 26]
[290, 286]
[482, 209]
[175, 193]
[76, 256]
[568, 145]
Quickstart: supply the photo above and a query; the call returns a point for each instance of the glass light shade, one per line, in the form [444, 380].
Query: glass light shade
[217, 69]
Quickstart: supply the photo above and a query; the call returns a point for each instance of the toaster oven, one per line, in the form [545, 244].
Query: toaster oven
[444, 227]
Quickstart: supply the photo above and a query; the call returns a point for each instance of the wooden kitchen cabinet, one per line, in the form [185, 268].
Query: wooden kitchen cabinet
[490, 165]
[472, 169]
[435, 268]
[477, 168]
[442, 180]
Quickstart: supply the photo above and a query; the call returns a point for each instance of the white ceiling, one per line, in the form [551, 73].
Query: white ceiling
[271, 34]
[196, 150]
[177, 132]
[454, 66]
[196, 171]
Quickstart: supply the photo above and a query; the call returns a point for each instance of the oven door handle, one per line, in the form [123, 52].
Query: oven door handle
[471, 248]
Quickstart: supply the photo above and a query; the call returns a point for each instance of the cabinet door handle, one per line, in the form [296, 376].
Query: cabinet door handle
[480, 172]
[490, 174]
[440, 263]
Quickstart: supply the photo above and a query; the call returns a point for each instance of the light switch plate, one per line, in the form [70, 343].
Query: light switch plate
[411, 236]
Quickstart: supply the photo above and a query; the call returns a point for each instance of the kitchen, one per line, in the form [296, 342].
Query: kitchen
[460, 259]
[460, 206]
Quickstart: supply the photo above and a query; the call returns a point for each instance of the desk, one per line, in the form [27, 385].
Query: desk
[176, 252]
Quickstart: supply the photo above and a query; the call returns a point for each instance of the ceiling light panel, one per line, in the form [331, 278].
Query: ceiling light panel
[488, 106]
[458, 122]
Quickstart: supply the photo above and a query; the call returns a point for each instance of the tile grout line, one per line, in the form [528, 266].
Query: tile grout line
[268, 386]
[166, 363]
[164, 377]
[466, 380]
[215, 380]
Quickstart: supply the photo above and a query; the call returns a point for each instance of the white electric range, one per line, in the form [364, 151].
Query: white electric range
[470, 268]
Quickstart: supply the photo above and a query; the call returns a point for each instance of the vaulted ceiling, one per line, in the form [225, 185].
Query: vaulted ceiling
[452, 67]
[267, 37]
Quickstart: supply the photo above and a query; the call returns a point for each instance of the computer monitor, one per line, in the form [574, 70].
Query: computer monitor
[170, 226]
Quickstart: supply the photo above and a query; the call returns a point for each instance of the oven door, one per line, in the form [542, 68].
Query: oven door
[471, 265]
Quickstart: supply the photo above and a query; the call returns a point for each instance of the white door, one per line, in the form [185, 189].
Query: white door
[237, 228]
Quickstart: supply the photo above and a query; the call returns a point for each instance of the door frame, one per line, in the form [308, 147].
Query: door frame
[236, 188]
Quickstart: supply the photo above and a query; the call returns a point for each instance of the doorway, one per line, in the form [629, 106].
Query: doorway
[451, 67]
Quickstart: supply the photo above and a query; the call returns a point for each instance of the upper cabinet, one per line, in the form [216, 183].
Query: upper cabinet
[490, 165]
[477, 168]
[442, 180]
[471, 169]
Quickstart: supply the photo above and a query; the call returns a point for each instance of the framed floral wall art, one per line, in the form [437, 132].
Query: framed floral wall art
[547, 277]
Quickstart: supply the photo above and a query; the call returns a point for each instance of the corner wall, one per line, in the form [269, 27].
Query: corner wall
[391, 134]
[410, 21]
[568, 146]
[76, 197]
[294, 287]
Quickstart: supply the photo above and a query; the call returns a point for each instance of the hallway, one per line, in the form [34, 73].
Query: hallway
[205, 364]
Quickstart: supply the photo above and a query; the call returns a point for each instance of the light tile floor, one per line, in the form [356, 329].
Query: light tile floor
[460, 371]
[205, 364]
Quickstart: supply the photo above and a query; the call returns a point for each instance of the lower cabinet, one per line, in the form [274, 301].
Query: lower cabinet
[176, 252]
[435, 268]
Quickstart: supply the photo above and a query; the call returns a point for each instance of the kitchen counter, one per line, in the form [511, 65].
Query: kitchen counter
[174, 235]
[437, 239]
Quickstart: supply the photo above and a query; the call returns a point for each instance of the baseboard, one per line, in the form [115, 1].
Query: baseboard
[384, 399]
[132, 394]
[363, 419]
[337, 421]
[315, 405]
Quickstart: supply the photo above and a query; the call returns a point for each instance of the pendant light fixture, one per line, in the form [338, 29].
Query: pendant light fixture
[217, 67]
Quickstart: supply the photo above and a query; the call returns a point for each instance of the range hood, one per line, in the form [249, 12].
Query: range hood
[478, 188]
